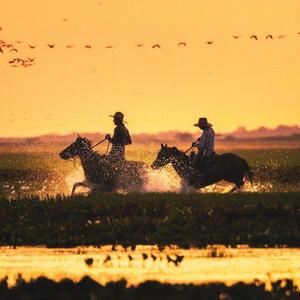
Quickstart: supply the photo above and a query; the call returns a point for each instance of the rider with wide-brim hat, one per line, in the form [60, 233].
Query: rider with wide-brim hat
[205, 144]
[121, 137]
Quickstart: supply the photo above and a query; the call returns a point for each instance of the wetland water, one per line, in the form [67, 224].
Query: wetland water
[228, 265]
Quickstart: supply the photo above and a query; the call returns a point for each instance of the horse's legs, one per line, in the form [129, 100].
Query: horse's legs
[77, 184]
[238, 185]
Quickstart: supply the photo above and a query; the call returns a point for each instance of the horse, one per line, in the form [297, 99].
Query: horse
[227, 166]
[104, 173]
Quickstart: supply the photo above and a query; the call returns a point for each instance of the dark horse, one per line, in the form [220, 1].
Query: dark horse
[227, 166]
[103, 173]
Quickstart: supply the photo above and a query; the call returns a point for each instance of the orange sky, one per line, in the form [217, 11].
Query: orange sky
[232, 82]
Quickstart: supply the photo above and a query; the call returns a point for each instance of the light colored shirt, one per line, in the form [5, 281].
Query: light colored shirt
[206, 142]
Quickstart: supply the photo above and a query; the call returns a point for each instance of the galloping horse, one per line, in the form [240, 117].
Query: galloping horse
[227, 166]
[101, 172]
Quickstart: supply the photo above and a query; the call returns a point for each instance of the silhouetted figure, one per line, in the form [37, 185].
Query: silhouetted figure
[205, 144]
[120, 139]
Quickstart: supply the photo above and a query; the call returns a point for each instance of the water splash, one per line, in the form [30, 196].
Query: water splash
[161, 181]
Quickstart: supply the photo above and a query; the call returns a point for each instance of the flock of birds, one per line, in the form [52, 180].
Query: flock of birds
[27, 62]
[176, 260]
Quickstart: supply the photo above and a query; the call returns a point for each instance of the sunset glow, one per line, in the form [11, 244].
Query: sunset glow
[71, 87]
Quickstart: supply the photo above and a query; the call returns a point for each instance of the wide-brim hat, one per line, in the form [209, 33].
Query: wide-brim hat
[202, 122]
[119, 116]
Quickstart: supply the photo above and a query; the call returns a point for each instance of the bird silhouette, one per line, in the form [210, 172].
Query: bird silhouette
[107, 259]
[31, 46]
[140, 45]
[130, 257]
[145, 256]
[109, 47]
[236, 36]
[89, 261]
[88, 46]
[153, 257]
[269, 36]
[156, 46]
[254, 37]
[51, 45]
[209, 42]
[30, 59]
[70, 46]
[13, 50]
[1, 50]
[281, 36]
[181, 44]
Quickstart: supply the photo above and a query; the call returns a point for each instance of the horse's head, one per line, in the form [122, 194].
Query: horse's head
[164, 156]
[80, 146]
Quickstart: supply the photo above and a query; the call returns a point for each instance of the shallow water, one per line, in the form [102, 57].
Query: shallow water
[148, 263]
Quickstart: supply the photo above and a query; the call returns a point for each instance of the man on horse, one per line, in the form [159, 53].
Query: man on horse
[205, 145]
[120, 139]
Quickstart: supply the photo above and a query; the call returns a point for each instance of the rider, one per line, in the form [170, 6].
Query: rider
[205, 144]
[120, 139]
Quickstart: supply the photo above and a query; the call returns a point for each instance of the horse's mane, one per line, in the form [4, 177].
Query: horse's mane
[177, 152]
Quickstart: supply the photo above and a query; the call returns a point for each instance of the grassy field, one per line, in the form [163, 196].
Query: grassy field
[43, 288]
[257, 219]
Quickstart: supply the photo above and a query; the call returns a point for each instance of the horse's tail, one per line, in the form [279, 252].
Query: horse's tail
[248, 172]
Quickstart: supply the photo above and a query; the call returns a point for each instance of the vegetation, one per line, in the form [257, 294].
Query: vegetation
[43, 288]
[195, 220]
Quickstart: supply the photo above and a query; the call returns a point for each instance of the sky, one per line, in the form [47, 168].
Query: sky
[233, 82]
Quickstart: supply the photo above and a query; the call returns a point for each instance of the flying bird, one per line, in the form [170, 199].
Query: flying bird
[236, 36]
[254, 37]
[298, 32]
[181, 44]
[31, 46]
[140, 45]
[281, 36]
[13, 49]
[109, 47]
[209, 42]
[30, 59]
[156, 46]
[51, 45]
[88, 46]
[269, 36]
[70, 46]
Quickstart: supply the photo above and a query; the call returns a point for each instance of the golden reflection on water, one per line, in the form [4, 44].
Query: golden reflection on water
[148, 263]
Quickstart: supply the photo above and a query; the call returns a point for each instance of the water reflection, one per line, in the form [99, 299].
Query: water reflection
[171, 265]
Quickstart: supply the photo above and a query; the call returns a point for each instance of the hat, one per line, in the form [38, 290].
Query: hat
[119, 116]
[202, 122]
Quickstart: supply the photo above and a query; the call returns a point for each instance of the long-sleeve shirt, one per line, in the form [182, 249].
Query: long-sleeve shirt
[206, 143]
[120, 139]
